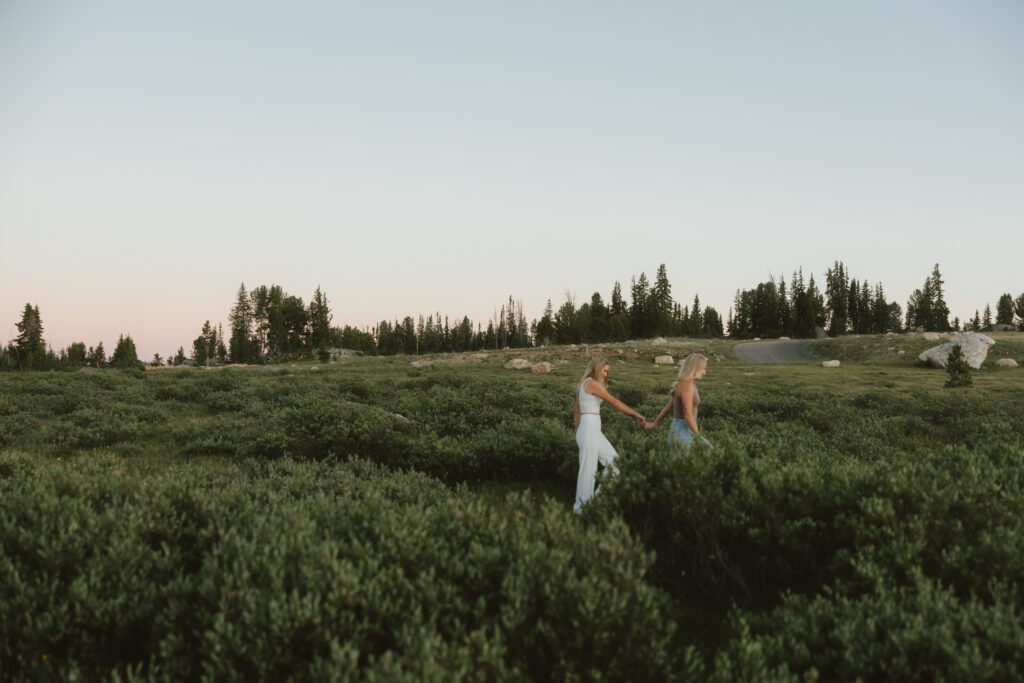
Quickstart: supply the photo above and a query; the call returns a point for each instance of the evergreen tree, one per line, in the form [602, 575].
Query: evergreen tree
[319, 320]
[711, 323]
[837, 293]
[179, 357]
[639, 313]
[695, 326]
[976, 321]
[125, 356]
[545, 333]
[940, 311]
[661, 302]
[986, 318]
[1018, 308]
[29, 345]
[240, 320]
[1004, 310]
[957, 368]
[97, 358]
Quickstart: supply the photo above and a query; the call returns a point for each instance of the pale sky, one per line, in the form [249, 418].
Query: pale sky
[414, 157]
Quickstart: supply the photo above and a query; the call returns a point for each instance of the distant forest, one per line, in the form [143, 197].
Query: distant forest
[265, 324]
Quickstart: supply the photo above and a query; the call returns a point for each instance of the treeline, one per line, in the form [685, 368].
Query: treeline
[849, 306]
[29, 350]
[804, 310]
[266, 324]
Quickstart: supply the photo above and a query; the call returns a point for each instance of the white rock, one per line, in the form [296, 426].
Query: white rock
[830, 364]
[663, 360]
[757, 339]
[1006, 363]
[541, 367]
[900, 352]
[517, 364]
[658, 341]
[783, 338]
[931, 336]
[974, 345]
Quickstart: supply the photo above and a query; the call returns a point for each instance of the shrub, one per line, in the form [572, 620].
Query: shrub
[274, 570]
[957, 368]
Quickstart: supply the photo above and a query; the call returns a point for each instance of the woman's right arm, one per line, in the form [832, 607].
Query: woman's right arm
[576, 413]
[664, 411]
[598, 390]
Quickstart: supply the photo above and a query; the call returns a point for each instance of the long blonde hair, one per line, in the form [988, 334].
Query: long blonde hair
[691, 366]
[593, 371]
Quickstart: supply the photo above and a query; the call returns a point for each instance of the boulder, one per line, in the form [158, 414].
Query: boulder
[663, 360]
[659, 341]
[974, 345]
[541, 367]
[1006, 363]
[830, 364]
[931, 336]
[517, 364]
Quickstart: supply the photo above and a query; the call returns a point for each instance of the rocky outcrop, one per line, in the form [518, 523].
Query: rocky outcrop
[1006, 363]
[974, 345]
[830, 364]
[659, 341]
[931, 336]
[663, 360]
[518, 364]
[543, 366]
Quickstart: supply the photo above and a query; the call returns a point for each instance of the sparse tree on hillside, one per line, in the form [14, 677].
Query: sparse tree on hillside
[986, 318]
[1018, 308]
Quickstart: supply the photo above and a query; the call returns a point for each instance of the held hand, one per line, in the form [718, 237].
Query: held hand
[648, 425]
[640, 420]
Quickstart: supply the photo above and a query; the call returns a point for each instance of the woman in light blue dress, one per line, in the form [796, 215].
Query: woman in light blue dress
[683, 402]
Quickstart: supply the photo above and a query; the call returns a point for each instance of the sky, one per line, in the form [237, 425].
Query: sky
[421, 157]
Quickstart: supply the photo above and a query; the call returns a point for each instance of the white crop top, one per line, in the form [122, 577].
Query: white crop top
[589, 403]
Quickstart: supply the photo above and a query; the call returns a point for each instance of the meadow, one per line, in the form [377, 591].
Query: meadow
[369, 519]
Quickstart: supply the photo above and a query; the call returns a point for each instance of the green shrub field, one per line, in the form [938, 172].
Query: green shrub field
[372, 520]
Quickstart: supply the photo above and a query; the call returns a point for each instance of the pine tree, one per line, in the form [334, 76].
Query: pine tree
[661, 302]
[639, 314]
[1018, 308]
[986, 318]
[1004, 310]
[545, 333]
[319, 320]
[240, 320]
[30, 347]
[125, 356]
[940, 311]
[957, 368]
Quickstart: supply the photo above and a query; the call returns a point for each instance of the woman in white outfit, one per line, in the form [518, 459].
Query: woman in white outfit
[586, 416]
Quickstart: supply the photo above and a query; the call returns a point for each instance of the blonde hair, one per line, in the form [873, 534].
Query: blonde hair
[692, 365]
[593, 371]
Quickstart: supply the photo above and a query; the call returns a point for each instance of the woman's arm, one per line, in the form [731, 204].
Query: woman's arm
[686, 394]
[664, 411]
[598, 390]
[576, 413]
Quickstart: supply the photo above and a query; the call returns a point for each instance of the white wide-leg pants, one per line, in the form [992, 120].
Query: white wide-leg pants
[594, 448]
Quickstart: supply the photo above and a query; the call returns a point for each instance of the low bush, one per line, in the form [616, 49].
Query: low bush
[268, 571]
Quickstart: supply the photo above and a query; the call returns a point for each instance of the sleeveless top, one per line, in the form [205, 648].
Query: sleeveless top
[677, 404]
[588, 402]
